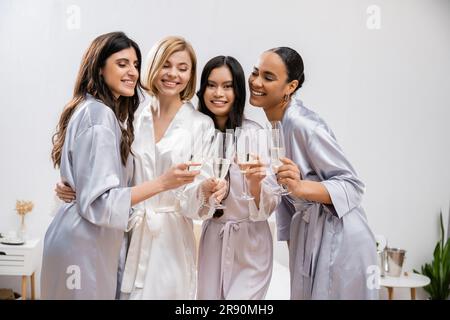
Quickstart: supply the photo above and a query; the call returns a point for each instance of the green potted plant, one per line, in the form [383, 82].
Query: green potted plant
[439, 269]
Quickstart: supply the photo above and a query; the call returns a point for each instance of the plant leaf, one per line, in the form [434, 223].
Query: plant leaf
[439, 269]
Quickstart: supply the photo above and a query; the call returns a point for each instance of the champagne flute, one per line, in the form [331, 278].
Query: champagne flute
[277, 151]
[200, 147]
[183, 154]
[222, 153]
[245, 156]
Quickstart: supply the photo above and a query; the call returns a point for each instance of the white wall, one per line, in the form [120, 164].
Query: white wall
[385, 92]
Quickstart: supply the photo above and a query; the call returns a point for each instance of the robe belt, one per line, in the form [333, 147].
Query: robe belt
[305, 247]
[228, 245]
[146, 224]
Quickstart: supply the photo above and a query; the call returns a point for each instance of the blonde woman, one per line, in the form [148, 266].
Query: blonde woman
[161, 259]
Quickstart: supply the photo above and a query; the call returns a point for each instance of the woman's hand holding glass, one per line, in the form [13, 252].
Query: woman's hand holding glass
[289, 175]
[257, 168]
[173, 178]
[217, 189]
[256, 173]
[177, 176]
[221, 155]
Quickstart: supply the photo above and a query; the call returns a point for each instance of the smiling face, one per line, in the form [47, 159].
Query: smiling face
[121, 72]
[268, 81]
[219, 93]
[175, 74]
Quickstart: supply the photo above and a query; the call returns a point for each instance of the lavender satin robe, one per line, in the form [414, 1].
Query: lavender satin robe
[85, 245]
[236, 250]
[331, 246]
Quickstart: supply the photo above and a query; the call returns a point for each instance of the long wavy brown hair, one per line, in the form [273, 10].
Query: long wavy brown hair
[89, 81]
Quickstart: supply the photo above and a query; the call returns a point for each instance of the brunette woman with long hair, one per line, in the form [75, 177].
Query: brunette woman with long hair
[85, 245]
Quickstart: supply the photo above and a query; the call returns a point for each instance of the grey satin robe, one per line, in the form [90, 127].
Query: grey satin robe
[86, 238]
[331, 246]
[236, 250]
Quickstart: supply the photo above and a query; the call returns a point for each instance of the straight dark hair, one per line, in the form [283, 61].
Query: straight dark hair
[236, 114]
[90, 81]
[294, 64]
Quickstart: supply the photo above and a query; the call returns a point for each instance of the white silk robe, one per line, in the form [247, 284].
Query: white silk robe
[161, 261]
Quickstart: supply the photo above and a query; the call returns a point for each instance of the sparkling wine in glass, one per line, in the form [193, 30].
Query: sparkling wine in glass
[277, 151]
[181, 154]
[246, 155]
[221, 152]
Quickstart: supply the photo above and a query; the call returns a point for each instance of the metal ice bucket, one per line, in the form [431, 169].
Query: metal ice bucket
[382, 262]
[395, 258]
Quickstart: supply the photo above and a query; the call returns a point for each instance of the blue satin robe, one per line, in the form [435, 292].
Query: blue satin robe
[85, 245]
[331, 246]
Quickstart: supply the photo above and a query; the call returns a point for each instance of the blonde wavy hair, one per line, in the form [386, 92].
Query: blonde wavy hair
[156, 58]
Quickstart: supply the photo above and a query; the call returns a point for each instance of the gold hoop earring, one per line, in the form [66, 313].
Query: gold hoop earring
[286, 97]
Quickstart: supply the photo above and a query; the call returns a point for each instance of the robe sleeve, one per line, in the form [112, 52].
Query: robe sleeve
[283, 220]
[268, 200]
[338, 176]
[97, 170]
[201, 208]
[192, 207]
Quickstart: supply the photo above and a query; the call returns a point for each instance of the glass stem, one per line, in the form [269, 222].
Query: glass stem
[244, 184]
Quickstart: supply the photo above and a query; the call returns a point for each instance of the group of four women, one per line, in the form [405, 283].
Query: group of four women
[128, 233]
